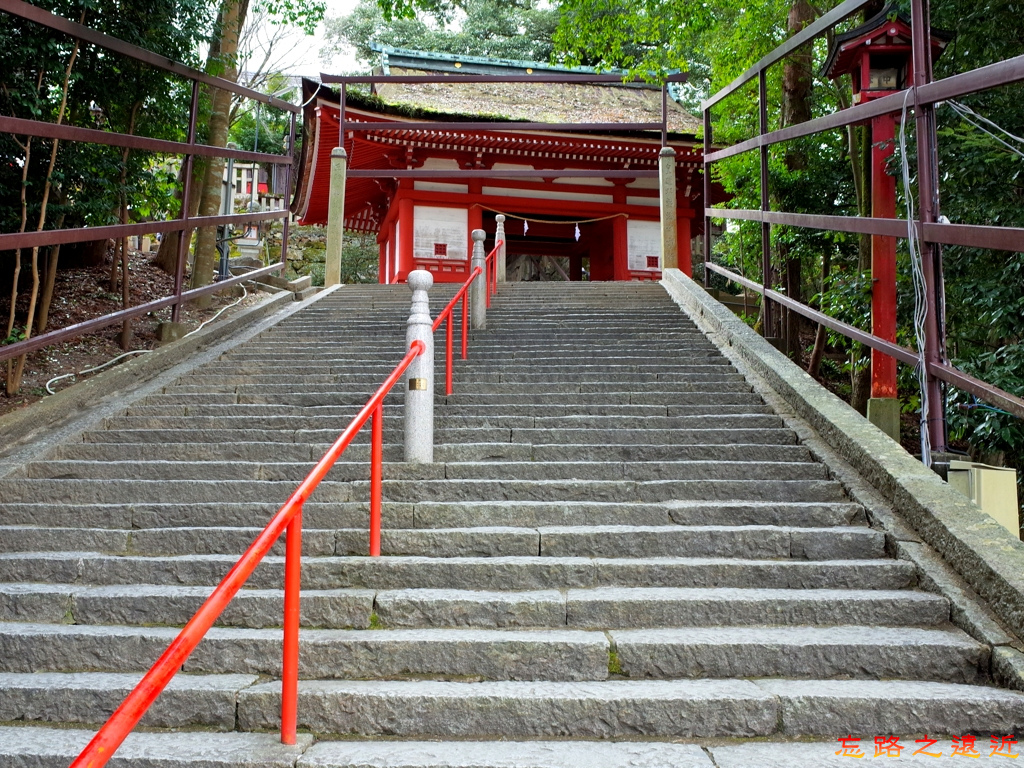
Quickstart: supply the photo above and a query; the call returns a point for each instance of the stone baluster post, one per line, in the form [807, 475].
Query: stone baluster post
[499, 235]
[335, 217]
[419, 391]
[669, 233]
[478, 288]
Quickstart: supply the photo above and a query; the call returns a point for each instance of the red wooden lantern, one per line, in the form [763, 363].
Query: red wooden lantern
[877, 55]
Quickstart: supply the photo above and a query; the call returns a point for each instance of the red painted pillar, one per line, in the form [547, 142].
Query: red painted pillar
[620, 249]
[883, 257]
[405, 238]
[683, 237]
[382, 263]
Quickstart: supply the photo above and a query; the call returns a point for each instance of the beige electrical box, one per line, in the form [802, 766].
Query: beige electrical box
[994, 489]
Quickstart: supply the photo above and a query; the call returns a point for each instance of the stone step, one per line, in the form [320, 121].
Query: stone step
[691, 383]
[263, 410]
[860, 652]
[340, 362]
[274, 452]
[475, 573]
[357, 470]
[620, 607]
[857, 652]
[295, 452]
[392, 434]
[442, 411]
[155, 491]
[753, 542]
[595, 490]
[501, 754]
[469, 376]
[631, 709]
[343, 361]
[455, 436]
[42, 747]
[444, 420]
[324, 654]
[207, 701]
[699, 394]
[126, 515]
[595, 608]
[444, 514]
[460, 514]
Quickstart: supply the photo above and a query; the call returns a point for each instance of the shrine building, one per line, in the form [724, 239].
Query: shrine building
[423, 189]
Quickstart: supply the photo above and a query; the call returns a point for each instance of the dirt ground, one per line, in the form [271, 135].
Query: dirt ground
[81, 294]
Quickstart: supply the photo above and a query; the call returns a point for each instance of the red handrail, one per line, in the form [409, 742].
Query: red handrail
[288, 518]
[490, 272]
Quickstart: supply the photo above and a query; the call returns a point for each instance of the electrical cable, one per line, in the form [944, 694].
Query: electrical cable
[966, 113]
[237, 301]
[920, 288]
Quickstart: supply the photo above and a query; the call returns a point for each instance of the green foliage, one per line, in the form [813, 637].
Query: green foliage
[16, 334]
[260, 128]
[483, 28]
[360, 258]
[106, 91]
[304, 14]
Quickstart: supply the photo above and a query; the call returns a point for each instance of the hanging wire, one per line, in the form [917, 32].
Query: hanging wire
[920, 289]
[141, 351]
[966, 113]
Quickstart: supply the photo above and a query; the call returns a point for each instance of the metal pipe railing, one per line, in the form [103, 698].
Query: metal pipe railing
[287, 520]
[445, 316]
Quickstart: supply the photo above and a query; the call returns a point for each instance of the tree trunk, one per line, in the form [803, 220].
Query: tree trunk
[15, 373]
[232, 17]
[797, 88]
[48, 282]
[797, 80]
[821, 335]
[167, 252]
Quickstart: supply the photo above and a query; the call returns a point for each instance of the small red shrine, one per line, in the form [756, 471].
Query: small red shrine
[587, 227]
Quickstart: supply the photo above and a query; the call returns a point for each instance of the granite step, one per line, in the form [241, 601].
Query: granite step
[669, 540]
[475, 573]
[628, 709]
[415, 607]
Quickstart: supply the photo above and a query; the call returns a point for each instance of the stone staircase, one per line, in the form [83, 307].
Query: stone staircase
[620, 557]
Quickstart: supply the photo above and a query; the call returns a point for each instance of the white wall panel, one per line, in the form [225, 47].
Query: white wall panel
[643, 242]
[440, 233]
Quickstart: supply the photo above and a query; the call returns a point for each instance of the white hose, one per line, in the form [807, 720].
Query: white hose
[142, 351]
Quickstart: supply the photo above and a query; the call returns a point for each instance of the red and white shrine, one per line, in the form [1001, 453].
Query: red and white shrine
[601, 228]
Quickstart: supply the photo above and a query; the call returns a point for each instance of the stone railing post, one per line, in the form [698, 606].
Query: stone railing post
[499, 235]
[478, 288]
[335, 217]
[419, 391]
[669, 225]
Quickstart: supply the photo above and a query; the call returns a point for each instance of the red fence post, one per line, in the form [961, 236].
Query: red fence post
[290, 663]
[376, 477]
[448, 354]
[465, 321]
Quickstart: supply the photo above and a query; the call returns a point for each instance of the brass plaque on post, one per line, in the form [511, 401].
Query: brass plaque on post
[417, 384]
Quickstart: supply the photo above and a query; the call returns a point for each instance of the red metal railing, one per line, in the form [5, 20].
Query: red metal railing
[287, 520]
[445, 316]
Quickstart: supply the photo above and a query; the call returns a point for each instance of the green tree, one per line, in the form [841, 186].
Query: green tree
[480, 28]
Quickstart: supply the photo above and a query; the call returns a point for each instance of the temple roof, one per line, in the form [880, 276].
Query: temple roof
[540, 102]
